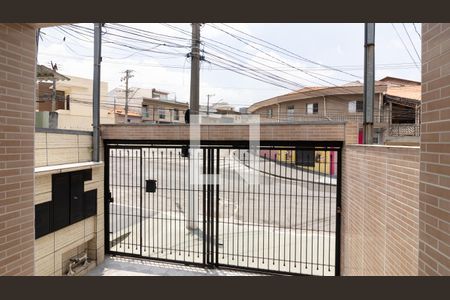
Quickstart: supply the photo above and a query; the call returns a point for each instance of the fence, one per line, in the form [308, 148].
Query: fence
[222, 205]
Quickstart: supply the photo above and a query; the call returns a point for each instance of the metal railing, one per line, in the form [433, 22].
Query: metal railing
[334, 116]
[404, 130]
[275, 211]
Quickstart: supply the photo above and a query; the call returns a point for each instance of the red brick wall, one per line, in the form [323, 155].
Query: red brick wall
[380, 210]
[434, 238]
[17, 90]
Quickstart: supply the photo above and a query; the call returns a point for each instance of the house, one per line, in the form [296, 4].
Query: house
[160, 109]
[49, 98]
[396, 106]
[73, 101]
[219, 112]
[116, 99]
[147, 106]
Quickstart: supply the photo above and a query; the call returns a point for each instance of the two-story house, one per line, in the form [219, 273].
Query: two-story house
[396, 106]
[159, 108]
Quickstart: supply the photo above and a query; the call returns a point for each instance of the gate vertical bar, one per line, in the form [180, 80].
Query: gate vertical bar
[106, 198]
[140, 196]
[337, 249]
[204, 211]
[211, 205]
[216, 238]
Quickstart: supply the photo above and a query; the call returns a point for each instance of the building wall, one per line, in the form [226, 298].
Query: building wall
[153, 107]
[17, 91]
[120, 119]
[335, 106]
[380, 210]
[44, 97]
[313, 131]
[434, 247]
[54, 250]
[52, 148]
[79, 117]
[81, 89]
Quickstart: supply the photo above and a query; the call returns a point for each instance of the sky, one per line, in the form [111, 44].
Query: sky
[340, 46]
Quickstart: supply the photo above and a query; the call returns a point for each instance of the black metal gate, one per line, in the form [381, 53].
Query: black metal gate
[275, 208]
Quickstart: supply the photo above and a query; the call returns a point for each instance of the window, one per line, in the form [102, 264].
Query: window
[312, 108]
[145, 111]
[290, 112]
[359, 106]
[162, 113]
[176, 114]
[355, 106]
[270, 113]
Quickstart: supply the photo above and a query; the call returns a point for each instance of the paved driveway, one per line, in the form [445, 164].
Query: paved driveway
[122, 266]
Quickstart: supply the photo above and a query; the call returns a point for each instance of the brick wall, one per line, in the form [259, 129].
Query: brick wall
[17, 90]
[320, 131]
[434, 247]
[380, 210]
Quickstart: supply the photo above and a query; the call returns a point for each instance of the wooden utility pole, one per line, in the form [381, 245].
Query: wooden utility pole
[369, 81]
[127, 91]
[195, 70]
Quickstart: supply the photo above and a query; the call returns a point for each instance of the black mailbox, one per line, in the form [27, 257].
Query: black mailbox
[185, 151]
[150, 185]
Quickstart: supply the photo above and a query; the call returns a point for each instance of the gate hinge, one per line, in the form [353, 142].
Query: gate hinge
[338, 209]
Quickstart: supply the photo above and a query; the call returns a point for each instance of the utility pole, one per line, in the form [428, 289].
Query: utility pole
[195, 69]
[369, 81]
[126, 77]
[54, 68]
[207, 105]
[96, 92]
[194, 176]
[53, 94]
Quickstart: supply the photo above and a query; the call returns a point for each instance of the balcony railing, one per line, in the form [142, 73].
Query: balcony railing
[333, 116]
[404, 130]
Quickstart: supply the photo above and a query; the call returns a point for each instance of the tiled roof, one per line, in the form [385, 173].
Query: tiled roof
[409, 92]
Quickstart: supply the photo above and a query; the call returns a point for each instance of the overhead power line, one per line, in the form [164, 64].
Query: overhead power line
[252, 56]
[385, 66]
[291, 53]
[417, 31]
[277, 60]
[287, 64]
[410, 40]
[404, 45]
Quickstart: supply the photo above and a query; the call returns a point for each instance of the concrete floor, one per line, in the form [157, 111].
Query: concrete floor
[125, 266]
